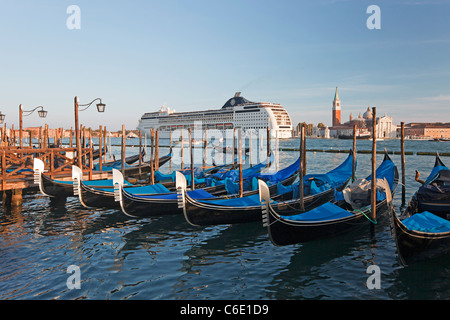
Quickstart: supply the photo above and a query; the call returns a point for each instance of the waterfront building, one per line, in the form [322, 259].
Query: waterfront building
[364, 123]
[417, 130]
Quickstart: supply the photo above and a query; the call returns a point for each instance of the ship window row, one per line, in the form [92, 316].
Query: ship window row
[191, 119]
[219, 126]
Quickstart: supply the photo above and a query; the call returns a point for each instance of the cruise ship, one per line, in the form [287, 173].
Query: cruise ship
[237, 112]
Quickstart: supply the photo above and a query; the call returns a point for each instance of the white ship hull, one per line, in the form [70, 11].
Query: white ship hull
[237, 113]
[223, 133]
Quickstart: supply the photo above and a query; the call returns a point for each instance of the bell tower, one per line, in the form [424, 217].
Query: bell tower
[336, 110]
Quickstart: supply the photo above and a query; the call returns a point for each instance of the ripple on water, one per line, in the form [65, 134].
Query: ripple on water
[166, 258]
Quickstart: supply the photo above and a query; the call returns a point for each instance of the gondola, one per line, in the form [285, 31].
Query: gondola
[422, 231]
[64, 188]
[434, 194]
[59, 162]
[200, 174]
[229, 149]
[117, 163]
[136, 205]
[248, 209]
[229, 178]
[420, 235]
[94, 193]
[98, 194]
[61, 188]
[333, 217]
[96, 152]
[50, 187]
[134, 169]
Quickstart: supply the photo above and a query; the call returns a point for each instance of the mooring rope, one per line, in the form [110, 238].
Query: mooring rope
[374, 222]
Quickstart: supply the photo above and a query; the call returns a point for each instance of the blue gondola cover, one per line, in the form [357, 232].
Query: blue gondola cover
[427, 222]
[326, 212]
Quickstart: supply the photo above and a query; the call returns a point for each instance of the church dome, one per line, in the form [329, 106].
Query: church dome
[368, 114]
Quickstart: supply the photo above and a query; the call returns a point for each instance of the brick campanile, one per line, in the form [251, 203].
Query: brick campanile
[336, 110]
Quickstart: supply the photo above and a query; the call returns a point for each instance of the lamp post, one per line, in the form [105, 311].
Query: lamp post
[100, 108]
[42, 114]
[2, 119]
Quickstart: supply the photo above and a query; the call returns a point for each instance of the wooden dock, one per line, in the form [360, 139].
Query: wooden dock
[17, 160]
[17, 168]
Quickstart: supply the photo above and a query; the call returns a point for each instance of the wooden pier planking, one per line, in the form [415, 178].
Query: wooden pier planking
[17, 159]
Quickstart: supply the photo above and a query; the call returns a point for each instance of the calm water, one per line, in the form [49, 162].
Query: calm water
[166, 258]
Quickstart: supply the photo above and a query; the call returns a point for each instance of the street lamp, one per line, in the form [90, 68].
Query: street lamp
[24, 113]
[100, 108]
[2, 117]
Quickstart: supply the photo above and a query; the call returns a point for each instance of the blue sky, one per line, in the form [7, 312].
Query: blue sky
[195, 54]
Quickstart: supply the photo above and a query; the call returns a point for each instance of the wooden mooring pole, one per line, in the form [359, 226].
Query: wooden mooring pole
[157, 150]
[123, 150]
[354, 154]
[241, 183]
[12, 198]
[304, 149]
[70, 138]
[268, 144]
[205, 147]
[182, 153]
[300, 170]
[104, 142]
[250, 149]
[152, 162]
[100, 146]
[402, 148]
[233, 152]
[374, 163]
[140, 150]
[191, 152]
[170, 148]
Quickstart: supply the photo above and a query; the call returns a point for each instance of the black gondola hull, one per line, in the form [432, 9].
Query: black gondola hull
[199, 215]
[434, 195]
[441, 209]
[151, 207]
[146, 207]
[414, 246]
[202, 214]
[287, 232]
[54, 188]
[94, 198]
[145, 167]
[138, 208]
[283, 231]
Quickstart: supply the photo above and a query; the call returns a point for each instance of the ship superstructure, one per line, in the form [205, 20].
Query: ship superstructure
[237, 112]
